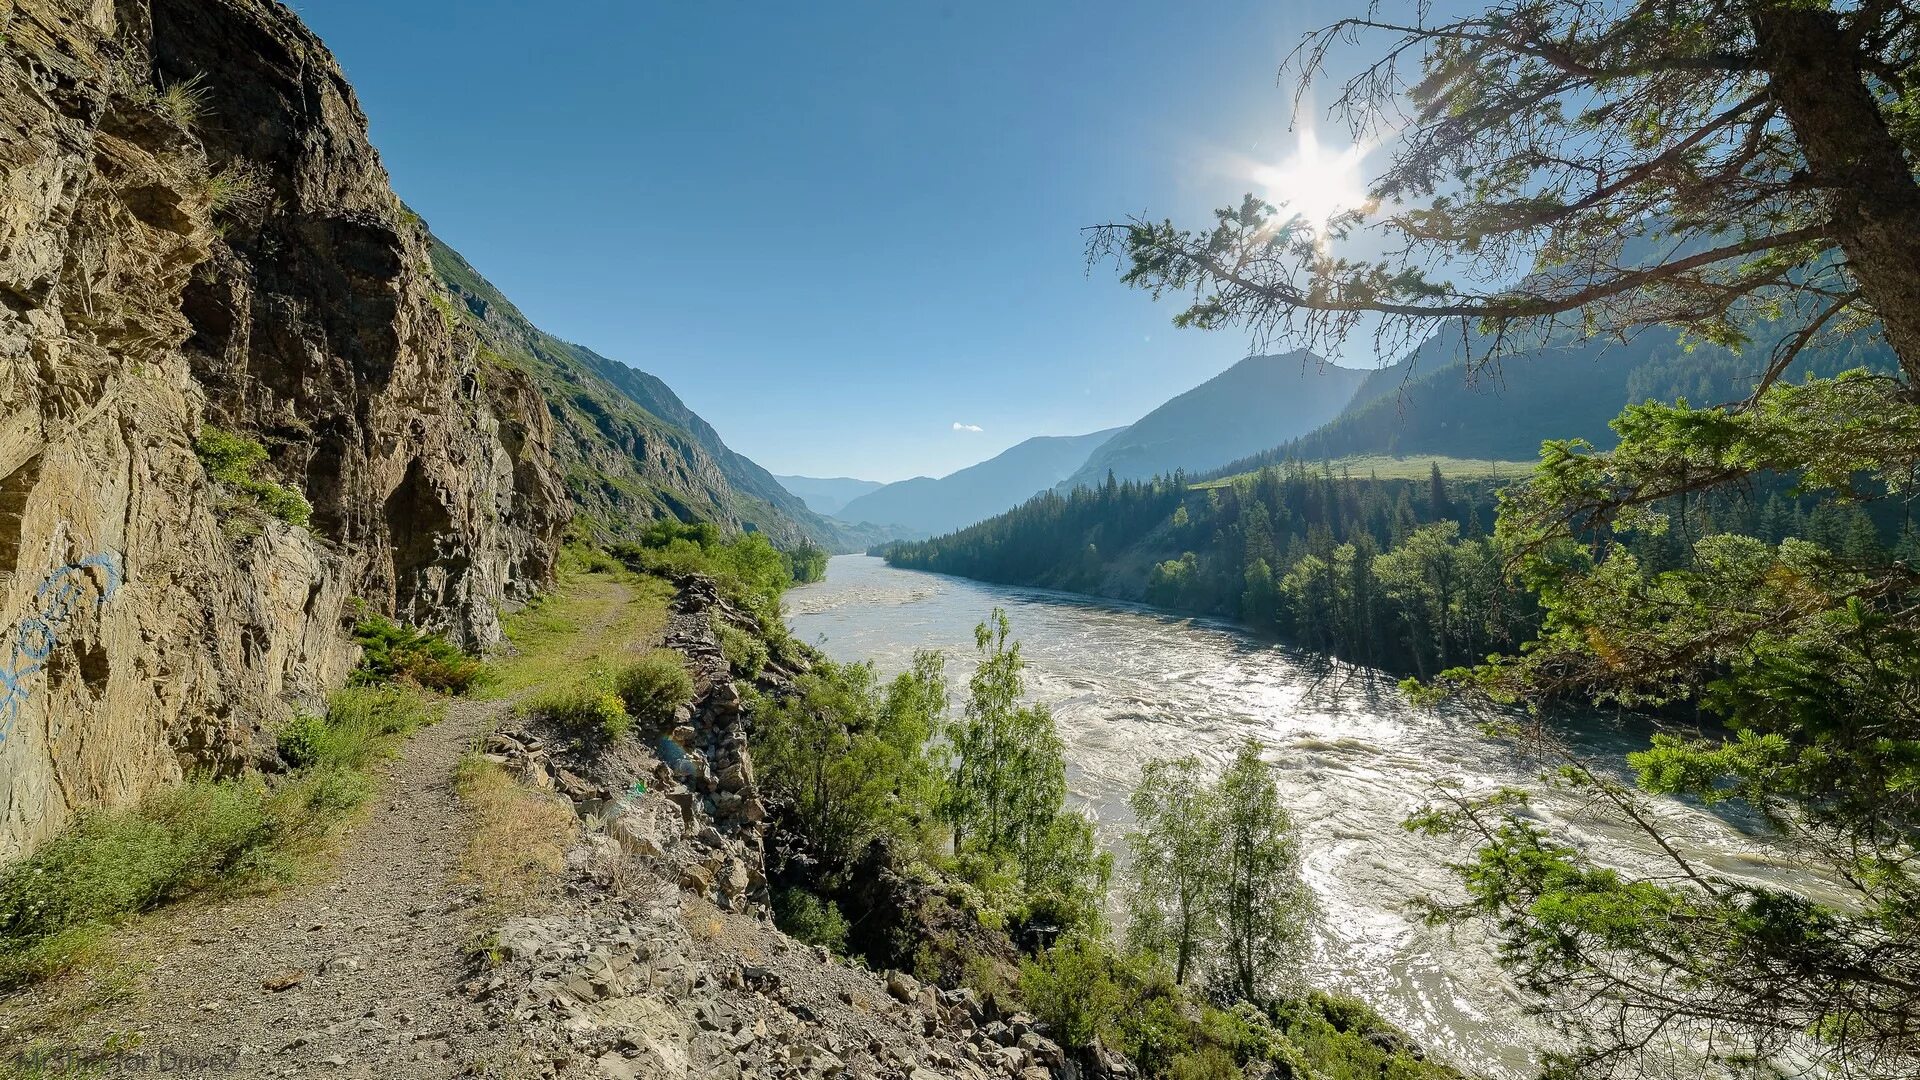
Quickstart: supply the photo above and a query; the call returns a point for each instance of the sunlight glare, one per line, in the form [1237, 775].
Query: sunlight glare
[1315, 183]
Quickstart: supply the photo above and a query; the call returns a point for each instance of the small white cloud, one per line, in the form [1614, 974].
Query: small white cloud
[958, 426]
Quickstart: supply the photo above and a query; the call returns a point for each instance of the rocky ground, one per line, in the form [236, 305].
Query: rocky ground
[656, 958]
[358, 975]
[662, 962]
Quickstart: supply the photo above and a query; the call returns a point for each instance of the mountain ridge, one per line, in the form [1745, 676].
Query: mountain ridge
[928, 505]
[1224, 418]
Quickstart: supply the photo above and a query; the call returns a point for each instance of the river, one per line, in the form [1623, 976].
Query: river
[1128, 684]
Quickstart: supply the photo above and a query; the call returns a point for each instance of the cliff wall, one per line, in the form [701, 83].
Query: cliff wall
[195, 238]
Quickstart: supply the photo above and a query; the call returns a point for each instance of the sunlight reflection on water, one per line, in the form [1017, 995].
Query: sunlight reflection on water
[1128, 684]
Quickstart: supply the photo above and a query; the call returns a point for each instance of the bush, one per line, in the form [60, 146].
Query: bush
[1071, 989]
[236, 463]
[357, 727]
[810, 919]
[746, 654]
[589, 710]
[393, 651]
[653, 687]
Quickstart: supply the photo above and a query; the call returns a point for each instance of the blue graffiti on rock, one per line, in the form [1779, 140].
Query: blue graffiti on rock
[54, 602]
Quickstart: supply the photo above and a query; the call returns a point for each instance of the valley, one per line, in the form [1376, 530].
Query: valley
[885, 652]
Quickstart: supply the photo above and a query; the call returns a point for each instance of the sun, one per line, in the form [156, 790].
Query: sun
[1315, 183]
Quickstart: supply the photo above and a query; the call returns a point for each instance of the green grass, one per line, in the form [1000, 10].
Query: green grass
[1412, 467]
[653, 687]
[204, 836]
[588, 709]
[606, 616]
[359, 727]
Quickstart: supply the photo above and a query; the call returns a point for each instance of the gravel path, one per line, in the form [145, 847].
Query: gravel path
[356, 975]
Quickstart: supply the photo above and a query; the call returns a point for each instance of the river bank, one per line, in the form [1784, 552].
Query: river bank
[1128, 684]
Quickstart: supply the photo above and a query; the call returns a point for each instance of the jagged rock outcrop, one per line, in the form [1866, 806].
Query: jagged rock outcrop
[195, 232]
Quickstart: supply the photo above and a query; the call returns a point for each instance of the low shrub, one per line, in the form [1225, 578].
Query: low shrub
[746, 654]
[393, 651]
[587, 710]
[653, 687]
[237, 465]
[357, 727]
[810, 919]
[1072, 990]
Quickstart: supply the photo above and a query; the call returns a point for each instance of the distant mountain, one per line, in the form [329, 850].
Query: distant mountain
[1254, 405]
[629, 449]
[924, 505]
[1434, 403]
[826, 495]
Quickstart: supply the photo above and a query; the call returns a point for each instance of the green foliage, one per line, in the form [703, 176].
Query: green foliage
[1174, 900]
[356, 728]
[423, 658]
[810, 919]
[750, 570]
[1287, 549]
[806, 563]
[588, 709]
[1072, 991]
[236, 465]
[1216, 875]
[201, 835]
[653, 687]
[746, 654]
[851, 755]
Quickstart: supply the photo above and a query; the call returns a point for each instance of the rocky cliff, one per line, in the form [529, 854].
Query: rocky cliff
[196, 238]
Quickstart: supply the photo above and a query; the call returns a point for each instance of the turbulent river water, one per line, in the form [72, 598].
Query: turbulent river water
[1128, 684]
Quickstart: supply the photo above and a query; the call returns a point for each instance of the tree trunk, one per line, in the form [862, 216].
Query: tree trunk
[1815, 75]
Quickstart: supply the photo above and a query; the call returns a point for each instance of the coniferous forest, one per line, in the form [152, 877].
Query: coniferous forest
[1394, 573]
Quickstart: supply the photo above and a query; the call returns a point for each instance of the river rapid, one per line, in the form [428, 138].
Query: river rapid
[1128, 684]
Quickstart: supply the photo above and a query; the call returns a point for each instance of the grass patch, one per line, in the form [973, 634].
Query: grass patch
[520, 837]
[407, 654]
[238, 467]
[202, 836]
[1412, 467]
[359, 726]
[653, 687]
[603, 616]
[587, 710]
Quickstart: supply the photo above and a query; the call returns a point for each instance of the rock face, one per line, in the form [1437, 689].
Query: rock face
[195, 232]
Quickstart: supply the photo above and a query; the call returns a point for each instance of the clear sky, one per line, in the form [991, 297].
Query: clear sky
[841, 231]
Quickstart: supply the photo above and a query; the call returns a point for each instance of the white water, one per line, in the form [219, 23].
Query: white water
[1127, 685]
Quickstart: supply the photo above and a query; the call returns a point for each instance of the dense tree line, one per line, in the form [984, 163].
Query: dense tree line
[1399, 574]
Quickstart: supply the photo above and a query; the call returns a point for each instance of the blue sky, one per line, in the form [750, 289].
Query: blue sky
[837, 229]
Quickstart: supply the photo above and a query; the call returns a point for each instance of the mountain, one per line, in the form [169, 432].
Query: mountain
[925, 505]
[1435, 402]
[826, 495]
[1256, 404]
[630, 450]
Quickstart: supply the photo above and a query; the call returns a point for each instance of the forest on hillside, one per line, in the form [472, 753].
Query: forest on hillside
[1392, 573]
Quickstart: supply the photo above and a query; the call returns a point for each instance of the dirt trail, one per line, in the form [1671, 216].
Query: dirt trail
[375, 949]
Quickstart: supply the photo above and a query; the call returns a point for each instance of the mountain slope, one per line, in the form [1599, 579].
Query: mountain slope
[1432, 403]
[827, 494]
[629, 449]
[1258, 403]
[926, 505]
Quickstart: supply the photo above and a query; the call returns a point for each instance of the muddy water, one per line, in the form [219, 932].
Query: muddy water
[1127, 685]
